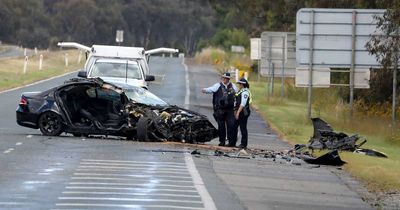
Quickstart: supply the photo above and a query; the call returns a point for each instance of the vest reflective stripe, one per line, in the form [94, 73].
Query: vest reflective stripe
[238, 99]
[245, 89]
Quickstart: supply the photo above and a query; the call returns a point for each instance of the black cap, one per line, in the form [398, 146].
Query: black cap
[226, 75]
[243, 81]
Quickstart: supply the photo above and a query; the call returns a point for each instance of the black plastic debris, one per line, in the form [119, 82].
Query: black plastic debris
[195, 152]
[370, 152]
[331, 158]
[325, 137]
[219, 153]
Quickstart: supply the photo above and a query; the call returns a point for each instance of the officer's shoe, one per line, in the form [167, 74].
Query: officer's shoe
[230, 145]
[241, 146]
[221, 144]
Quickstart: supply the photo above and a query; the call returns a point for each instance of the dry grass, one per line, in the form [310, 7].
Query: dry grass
[11, 69]
[222, 60]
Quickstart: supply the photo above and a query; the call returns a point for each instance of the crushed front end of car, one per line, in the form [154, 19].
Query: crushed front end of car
[169, 123]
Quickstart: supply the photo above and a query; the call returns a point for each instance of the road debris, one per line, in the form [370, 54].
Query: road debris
[325, 137]
[330, 158]
[370, 152]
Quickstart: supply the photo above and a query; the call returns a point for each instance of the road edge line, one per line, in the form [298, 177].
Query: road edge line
[199, 184]
[187, 95]
[37, 82]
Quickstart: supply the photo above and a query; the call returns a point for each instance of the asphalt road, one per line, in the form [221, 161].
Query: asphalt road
[39, 172]
[14, 51]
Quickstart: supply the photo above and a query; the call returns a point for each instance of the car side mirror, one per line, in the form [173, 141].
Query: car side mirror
[149, 78]
[82, 74]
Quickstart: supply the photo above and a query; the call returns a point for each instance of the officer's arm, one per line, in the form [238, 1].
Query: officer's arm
[235, 88]
[211, 89]
[245, 98]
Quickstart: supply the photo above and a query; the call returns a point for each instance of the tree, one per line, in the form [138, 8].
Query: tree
[385, 45]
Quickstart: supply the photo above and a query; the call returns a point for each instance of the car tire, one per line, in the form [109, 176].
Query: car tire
[79, 135]
[141, 129]
[50, 124]
[76, 134]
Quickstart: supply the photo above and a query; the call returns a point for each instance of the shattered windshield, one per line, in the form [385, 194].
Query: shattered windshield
[140, 95]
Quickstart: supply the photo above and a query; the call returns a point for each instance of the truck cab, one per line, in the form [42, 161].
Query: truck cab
[118, 64]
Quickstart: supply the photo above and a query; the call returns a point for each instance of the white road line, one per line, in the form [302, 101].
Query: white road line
[11, 203]
[128, 206]
[152, 185]
[133, 194]
[131, 188]
[129, 199]
[18, 143]
[132, 161]
[141, 172]
[8, 151]
[125, 179]
[129, 164]
[187, 95]
[129, 168]
[199, 184]
[142, 176]
[35, 83]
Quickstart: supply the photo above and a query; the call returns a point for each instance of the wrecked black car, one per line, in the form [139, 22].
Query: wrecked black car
[93, 107]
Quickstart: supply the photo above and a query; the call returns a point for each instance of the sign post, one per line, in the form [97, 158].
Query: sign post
[394, 97]
[255, 53]
[79, 56]
[310, 66]
[119, 38]
[25, 64]
[66, 59]
[40, 61]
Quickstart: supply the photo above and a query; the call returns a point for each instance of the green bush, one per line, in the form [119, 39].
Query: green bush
[225, 38]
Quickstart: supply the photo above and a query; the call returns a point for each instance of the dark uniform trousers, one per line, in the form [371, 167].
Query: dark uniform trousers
[226, 122]
[242, 123]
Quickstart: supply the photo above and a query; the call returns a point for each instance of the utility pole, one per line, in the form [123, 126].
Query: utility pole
[394, 97]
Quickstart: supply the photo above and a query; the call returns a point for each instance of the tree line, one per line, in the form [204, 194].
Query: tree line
[185, 24]
[147, 23]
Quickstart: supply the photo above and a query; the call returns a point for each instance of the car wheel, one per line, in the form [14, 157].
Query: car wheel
[50, 124]
[141, 129]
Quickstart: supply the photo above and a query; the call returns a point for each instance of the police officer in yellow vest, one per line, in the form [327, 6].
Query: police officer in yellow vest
[242, 109]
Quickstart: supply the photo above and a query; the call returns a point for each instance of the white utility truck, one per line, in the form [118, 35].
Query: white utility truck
[117, 64]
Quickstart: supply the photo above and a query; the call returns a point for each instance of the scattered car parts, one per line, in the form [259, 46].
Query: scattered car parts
[325, 137]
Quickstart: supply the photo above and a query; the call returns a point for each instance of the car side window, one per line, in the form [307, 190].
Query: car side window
[107, 94]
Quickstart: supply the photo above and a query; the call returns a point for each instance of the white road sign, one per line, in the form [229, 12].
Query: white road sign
[278, 48]
[331, 32]
[237, 49]
[255, 48]
[119, 36]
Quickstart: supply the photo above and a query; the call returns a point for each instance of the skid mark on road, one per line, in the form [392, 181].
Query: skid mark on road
[111, 184]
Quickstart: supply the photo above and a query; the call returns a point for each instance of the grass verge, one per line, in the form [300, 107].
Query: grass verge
[11, 69]
[288, 116]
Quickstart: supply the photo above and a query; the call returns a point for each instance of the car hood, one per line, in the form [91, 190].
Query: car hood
[133, 82]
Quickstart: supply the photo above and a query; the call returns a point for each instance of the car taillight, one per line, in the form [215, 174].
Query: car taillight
[23, 101]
